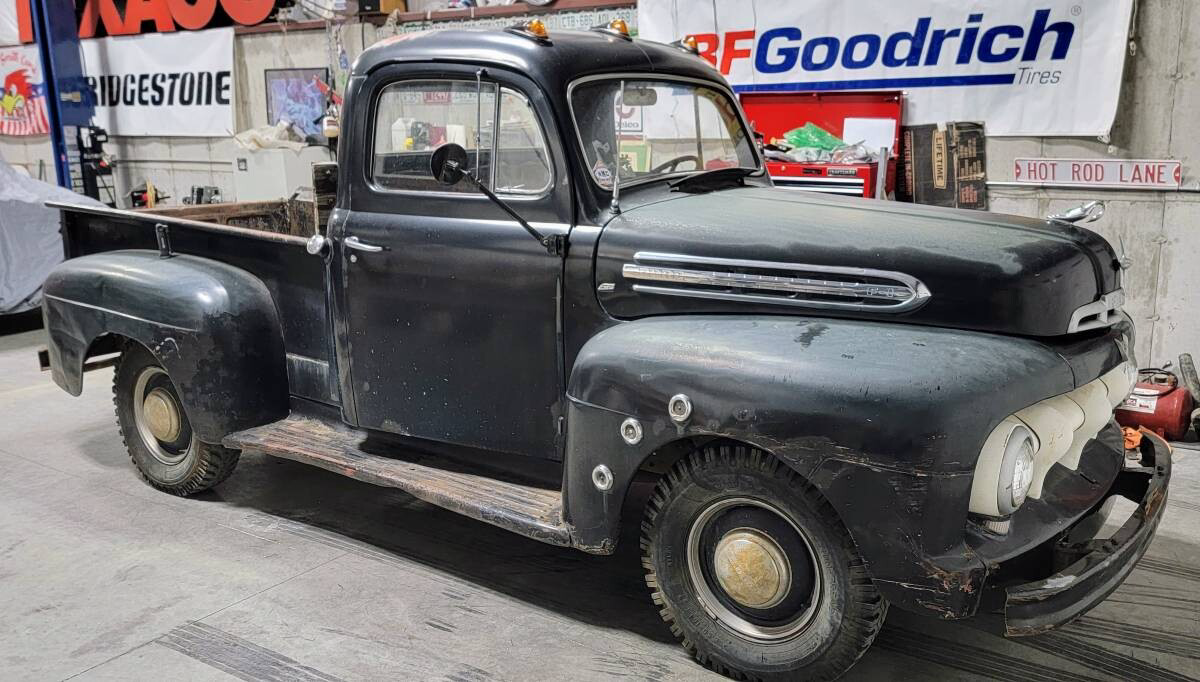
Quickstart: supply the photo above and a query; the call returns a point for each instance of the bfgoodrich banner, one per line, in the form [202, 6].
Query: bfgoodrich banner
[1025, 67]
[163, 84]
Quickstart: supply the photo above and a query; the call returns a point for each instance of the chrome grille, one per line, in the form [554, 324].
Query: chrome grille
[795, 284]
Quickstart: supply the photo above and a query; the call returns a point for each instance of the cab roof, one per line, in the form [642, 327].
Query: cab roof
[554, 63]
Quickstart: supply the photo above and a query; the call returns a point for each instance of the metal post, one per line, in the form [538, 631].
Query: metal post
[68, 100]
[881, 177]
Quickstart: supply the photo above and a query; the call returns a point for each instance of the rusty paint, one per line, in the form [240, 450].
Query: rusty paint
[949, 580]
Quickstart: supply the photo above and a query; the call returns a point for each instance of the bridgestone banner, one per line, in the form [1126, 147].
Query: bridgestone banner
[163, 84]
[1023, 67]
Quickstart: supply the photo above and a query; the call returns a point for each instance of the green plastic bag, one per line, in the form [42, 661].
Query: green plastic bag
[812, 135]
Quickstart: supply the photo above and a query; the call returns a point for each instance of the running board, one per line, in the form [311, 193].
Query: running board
[530, 511]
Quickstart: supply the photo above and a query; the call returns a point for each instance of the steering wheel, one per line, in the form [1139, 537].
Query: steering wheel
[673, 164]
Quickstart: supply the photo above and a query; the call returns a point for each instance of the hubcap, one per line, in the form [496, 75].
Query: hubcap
[752, 569]
[160, 422]
[162, 415]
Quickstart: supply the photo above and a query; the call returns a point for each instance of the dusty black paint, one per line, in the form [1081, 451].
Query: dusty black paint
[463, 332]
[987, 272]
[213, 327]
[889, 434]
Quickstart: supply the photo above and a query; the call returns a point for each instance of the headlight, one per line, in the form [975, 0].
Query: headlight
[1016, 470]
[1006, 469]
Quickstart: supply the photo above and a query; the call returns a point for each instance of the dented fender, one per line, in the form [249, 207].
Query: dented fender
[212, 326]
[885, 419]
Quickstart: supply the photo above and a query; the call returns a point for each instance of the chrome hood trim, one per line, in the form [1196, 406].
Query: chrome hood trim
[812, 286]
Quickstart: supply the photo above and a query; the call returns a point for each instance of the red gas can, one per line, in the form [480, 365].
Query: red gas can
[1158, 403]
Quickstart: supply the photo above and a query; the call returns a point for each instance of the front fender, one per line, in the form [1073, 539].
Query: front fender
[885, 419]
[212, 326]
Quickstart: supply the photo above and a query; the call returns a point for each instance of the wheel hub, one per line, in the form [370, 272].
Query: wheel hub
[752, 569]
[161, 413]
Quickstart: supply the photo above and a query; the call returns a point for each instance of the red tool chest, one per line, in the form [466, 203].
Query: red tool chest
[774, 113]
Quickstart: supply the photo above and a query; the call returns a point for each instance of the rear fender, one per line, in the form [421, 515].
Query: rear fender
[212, 326]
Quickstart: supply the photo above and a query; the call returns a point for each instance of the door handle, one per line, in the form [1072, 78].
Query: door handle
[353, 243]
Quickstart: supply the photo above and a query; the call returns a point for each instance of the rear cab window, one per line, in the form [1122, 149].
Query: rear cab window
[414, 118]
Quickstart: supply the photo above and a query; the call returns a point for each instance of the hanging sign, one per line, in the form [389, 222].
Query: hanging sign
[131, 17]
[23, 102]
[1023, 67]
[156, 84]
[1118, 173]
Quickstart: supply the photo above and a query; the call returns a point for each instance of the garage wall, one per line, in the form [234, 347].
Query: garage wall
[1160, 231]
[1157, 119]
[175, 164]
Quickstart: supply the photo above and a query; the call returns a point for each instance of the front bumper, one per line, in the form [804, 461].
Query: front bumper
[1094, 568]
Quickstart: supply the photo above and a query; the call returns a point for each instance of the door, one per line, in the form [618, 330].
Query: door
[450, 308]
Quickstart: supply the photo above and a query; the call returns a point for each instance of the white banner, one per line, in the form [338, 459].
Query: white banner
[165, 84]
[1023, 67]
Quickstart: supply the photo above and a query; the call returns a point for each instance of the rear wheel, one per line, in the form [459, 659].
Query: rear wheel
[166, 451]
[753, 570]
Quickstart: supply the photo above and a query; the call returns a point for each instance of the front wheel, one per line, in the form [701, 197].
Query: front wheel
[167, 453]
[753, 570]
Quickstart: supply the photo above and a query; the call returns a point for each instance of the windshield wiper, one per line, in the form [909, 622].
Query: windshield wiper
[717, 178]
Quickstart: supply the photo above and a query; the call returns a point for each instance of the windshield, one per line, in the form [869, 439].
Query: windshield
[657, 128]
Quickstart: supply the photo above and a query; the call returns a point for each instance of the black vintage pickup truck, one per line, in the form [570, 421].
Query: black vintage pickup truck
[555, 265]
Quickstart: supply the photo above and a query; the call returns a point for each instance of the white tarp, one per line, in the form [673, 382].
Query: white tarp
[30, 245]
[8, 23]
[163, 83]
[1024, 67]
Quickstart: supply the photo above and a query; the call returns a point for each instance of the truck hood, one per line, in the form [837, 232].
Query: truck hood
[780, 251]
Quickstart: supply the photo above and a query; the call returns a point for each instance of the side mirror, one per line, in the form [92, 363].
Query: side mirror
[448, 163]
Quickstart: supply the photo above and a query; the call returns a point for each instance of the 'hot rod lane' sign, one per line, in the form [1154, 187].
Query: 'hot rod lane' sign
[1024, 67]
[1119, 173]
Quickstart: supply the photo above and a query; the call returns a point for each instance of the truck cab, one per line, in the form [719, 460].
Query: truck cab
[555, 266]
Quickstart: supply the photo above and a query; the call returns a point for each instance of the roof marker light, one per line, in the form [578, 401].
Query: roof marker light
[687, 44]
[616, 27]
[534, 28]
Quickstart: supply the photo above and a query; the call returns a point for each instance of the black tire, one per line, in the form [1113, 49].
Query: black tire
[838, 612]
[186, 465]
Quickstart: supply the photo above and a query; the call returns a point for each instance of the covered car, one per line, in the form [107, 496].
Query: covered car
[30, 243]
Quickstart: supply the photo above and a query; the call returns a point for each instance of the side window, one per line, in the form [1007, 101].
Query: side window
[413, 118]
[522, 161]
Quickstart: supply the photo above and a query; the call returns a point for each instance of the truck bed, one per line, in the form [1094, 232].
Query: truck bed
[266, 239]
[296, 217]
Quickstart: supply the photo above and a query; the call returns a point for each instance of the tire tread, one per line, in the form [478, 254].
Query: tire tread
[214, 465]
[861, 625]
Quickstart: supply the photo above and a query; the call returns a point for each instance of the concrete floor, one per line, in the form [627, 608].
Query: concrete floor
[289, 572]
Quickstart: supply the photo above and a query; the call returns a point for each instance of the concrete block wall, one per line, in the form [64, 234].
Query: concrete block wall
[1160, 231]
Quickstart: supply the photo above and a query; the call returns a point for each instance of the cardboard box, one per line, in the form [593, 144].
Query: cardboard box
[944, 165]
